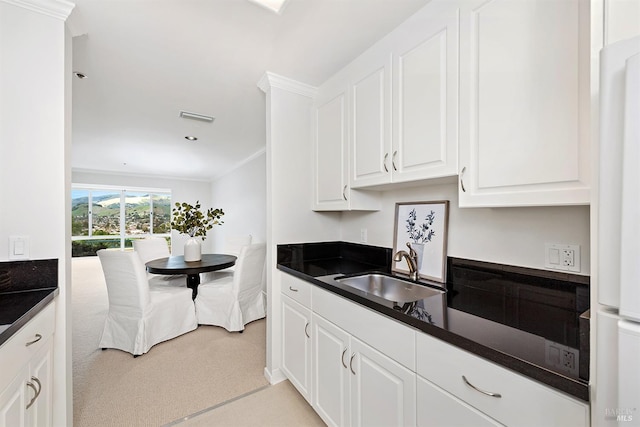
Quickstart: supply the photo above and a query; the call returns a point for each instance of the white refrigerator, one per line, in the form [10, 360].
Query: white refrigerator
[616, 397]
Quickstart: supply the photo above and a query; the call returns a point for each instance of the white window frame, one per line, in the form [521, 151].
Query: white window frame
[123, 191]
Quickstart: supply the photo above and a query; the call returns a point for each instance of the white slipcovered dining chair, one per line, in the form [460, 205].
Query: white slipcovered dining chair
[234, 300]
[233, 244]
[152, 248]
[141, 316]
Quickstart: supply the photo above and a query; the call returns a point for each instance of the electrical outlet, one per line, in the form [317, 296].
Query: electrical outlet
[568, 360]
[568, 257]
[363, 235]
[562, 257]
[561, 357]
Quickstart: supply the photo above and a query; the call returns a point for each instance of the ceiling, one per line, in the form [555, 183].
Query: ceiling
[146, 60]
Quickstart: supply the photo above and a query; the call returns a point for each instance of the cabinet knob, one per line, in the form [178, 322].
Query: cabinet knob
[344, 192]
[393, 160]
[384, 162]
[488, 393]
[461, 179]
[342, 358]
[293, 289]
[306, 331]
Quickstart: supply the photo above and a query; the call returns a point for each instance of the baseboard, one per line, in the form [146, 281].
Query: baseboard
[274, 377]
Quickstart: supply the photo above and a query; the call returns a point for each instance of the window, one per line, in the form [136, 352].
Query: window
[113, 217]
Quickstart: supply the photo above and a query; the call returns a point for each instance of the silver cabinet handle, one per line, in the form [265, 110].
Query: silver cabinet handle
[36, 390]
[306, 332]
[461, 180]
[344, 192]
[38, 338]
[393, 160]
[488, 393]
[351, 363]
[384, 162]
[342, 358]
[293, 289]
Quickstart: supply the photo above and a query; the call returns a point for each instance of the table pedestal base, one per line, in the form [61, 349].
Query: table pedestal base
[193, 280]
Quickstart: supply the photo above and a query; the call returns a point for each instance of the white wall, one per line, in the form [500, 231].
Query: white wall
[513, 236]
[241, 193]
[181, 191]
[33, 157]
[289, 193]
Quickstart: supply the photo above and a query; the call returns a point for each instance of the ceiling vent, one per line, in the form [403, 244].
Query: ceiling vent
[196, 116]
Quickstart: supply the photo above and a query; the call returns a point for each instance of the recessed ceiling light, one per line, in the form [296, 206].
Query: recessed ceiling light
[273, 5]
[80, 75]
[191, 138]
[195, 116]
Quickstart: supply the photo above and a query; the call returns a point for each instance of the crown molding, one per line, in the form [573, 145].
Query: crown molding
[270, 80]
[241, 163]
[60, 9]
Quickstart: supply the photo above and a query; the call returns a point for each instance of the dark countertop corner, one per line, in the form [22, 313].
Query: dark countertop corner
[26, 287]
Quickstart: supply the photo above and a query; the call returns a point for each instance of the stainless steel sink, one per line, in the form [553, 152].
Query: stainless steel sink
[389, 288]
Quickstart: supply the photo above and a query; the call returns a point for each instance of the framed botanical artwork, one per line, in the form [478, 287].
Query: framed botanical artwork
[423, 225]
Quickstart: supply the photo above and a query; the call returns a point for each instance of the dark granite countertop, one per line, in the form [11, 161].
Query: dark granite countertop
[26, 287]
[310, 262]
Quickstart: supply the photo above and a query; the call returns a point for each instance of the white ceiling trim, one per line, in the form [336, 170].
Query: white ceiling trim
[59, 9]
[270, 80]
[140, 175]
[240, 164]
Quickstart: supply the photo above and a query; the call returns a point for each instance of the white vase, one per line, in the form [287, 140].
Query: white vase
[193, 249]
[419, 248]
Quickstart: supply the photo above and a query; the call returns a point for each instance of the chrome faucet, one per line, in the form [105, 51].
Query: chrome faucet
[412, 261]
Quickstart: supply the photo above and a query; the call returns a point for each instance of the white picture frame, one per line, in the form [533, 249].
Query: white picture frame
[424, 225]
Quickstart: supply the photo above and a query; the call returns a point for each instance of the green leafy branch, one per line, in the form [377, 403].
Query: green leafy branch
[192, 221]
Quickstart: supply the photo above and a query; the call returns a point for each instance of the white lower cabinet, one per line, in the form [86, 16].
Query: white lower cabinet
[360, 368]
[383, 393]
[26, 388]
[357, 385]
[436, 407]
[331, 372]
[296, 345]
[501, 394]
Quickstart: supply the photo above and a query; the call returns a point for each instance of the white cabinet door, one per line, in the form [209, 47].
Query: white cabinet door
[436, 407]
[330, 153]
[524, 103]
[425, 104]
[40, 414]
[383, 392]
[13, 402]
[331, 156]
[371, 122]
[296, 345]
[330, 372]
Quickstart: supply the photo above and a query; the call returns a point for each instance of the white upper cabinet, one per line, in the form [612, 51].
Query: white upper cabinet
[524, 103]
[622, 20]
[332, 190]
[371, 122]
[405, 102]
[425, 101]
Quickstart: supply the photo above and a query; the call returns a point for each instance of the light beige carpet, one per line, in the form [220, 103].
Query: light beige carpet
[173, 380]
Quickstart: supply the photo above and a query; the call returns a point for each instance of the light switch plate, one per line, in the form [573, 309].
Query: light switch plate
[18, 247]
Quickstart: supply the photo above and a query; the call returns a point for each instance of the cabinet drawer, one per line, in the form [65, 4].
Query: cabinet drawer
[15, 352]
[296, 289]
[384, 334]
[436, 407]
[523, 402]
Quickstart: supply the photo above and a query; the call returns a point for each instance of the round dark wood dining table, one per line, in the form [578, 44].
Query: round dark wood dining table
[177, 265]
